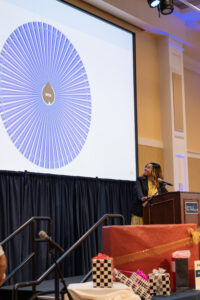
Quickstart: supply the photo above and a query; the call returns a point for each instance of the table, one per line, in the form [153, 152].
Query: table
[119, 291]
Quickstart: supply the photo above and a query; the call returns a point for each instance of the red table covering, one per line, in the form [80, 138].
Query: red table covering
[147, 247]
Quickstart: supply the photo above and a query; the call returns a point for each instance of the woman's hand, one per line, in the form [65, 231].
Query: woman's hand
[144, 198]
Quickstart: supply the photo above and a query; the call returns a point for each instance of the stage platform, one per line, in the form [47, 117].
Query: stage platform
[26, 293]
[48, 285]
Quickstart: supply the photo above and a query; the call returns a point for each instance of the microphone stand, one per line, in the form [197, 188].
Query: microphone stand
[57, 274]
[149, 200]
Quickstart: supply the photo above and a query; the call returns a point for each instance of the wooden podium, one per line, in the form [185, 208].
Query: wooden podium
[173, 208]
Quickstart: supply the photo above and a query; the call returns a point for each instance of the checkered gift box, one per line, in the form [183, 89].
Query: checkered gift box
[159, 283]
[122, 278]
[139, 285]
[102, 276]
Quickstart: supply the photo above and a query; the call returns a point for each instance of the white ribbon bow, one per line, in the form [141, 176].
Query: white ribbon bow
[158, 272]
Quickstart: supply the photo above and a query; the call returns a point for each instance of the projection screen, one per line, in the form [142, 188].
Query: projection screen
[67, 92]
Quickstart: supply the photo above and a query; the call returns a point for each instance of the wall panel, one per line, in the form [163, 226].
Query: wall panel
[192, 101]
[148, 92]
[147, 154]
[194, 174]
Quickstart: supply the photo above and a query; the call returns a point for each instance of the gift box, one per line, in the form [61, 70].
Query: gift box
[139, 285]
[197, 274]
[180, 270]
[180, 274]
[122, 278]
[102, 271]
[159, 283]
[149, 246]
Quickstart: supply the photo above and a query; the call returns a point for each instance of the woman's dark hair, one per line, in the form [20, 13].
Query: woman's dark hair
[156, 172]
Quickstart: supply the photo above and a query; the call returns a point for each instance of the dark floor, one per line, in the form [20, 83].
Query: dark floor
[45, 286]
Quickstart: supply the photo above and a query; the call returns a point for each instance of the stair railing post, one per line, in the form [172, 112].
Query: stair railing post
[56, 284]
[33, 229]
[106, 221]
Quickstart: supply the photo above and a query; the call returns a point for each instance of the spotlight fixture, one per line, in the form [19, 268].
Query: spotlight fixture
[153, 3]
[166, 7]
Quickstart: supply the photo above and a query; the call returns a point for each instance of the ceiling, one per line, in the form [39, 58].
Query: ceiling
[183, 6]
[183, 25]
[190, 16]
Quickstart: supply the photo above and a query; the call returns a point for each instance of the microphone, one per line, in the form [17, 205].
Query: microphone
[44, 236]
[144, 204]
[164, 182]
[149, 199]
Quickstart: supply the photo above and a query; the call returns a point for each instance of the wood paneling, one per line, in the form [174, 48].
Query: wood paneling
[178, 102]
[170, 208]
[163, 209]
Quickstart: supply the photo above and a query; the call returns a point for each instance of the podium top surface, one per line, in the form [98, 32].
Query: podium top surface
[183, 192]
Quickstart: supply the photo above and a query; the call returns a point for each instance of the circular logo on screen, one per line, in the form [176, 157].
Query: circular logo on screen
[45, 100]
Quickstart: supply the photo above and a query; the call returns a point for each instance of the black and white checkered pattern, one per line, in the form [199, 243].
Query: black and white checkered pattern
[138, 284]
[122, 278]
[102, 273]
[160, 284]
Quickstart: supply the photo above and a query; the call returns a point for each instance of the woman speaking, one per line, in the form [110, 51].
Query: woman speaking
[147, 185]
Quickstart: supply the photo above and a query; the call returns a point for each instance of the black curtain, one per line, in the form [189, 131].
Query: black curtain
[74, 203]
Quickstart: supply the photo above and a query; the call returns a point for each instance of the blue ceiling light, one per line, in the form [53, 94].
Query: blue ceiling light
[153, 3]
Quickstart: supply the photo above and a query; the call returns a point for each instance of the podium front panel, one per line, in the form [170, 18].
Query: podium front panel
[163, 209]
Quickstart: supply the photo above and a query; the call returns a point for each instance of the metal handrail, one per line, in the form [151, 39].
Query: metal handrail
[13, 272]
[31, 221]
[12, 235]
[87, 276]
[62, 257]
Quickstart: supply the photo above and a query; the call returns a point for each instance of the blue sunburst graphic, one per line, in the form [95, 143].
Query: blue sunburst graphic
[45, 100]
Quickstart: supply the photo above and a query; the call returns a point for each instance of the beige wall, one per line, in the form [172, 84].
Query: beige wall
[149, 154]
[192, 101]
[148, 98]
[193, 174]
